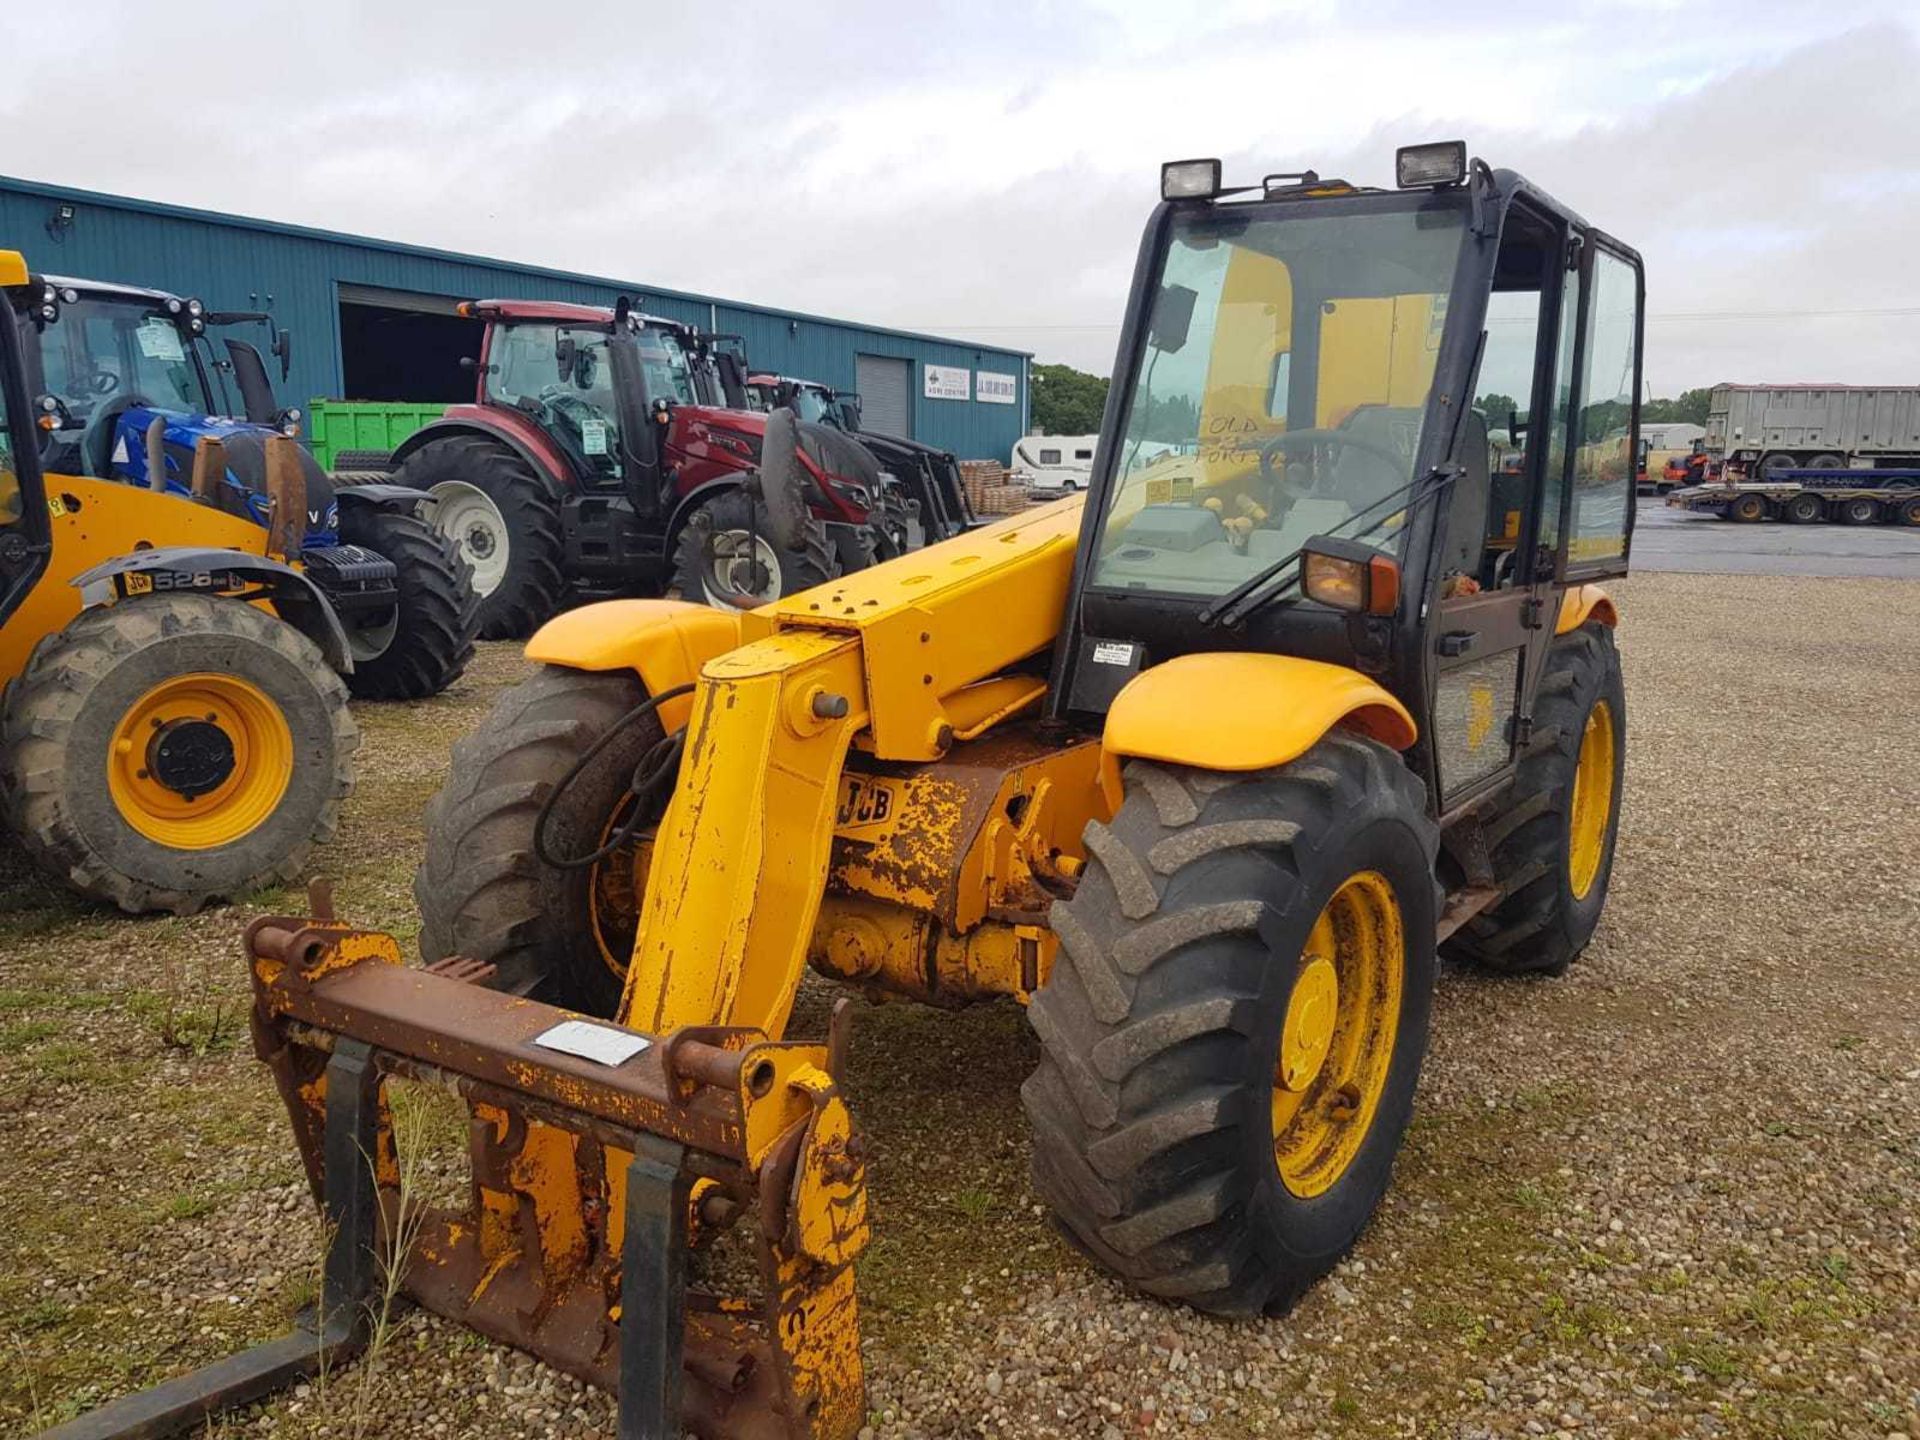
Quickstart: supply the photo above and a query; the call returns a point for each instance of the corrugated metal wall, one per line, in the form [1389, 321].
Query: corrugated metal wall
[236, 264]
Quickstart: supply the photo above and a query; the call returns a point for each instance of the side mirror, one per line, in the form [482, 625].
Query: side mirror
[1172, 318]
[1346, 575]
[563, 353]
[283, 352]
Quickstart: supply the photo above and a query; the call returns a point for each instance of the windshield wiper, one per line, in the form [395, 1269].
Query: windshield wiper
[1252, 593]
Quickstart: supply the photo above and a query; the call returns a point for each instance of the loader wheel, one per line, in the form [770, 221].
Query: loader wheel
[172, 751]
[1233, 1030]
[1803, 509]
[506, 521]
[563, 935]
[1553, 844]
[726, 556]
[1747, 508]
[422, 644]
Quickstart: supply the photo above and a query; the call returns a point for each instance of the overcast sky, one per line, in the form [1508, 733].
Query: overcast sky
[983, 169]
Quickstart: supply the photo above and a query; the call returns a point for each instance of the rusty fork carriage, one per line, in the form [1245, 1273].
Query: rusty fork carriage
[593, 1183]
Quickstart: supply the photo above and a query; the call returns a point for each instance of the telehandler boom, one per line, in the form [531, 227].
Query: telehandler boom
[1203, 767]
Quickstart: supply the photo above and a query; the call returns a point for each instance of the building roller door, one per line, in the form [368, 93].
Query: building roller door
[886, 393]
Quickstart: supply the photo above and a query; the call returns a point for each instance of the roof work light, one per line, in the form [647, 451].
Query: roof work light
[1189, 179]
[1416, 167]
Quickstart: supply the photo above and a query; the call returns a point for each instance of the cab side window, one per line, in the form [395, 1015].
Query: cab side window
[1603, 462]
[10, 503]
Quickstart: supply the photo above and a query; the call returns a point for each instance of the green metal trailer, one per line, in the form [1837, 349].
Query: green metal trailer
[361, 434]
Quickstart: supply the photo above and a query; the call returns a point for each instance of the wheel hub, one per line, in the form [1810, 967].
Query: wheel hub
[1308, 1033]
[479, 541]
[191, 757]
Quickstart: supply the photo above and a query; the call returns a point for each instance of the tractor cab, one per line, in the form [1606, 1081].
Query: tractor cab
[1300, 466]
[126, 379]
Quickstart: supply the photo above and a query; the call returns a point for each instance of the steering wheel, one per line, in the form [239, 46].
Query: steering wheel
[96, 444]
[1317, 435]
[103, 382]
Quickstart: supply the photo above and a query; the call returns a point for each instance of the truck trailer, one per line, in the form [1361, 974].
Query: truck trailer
[1760, 432]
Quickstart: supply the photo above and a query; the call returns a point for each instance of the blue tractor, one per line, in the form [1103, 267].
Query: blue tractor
[128, 384]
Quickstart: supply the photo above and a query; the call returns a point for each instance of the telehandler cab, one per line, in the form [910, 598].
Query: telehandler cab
[172, 729]
[1204, 766]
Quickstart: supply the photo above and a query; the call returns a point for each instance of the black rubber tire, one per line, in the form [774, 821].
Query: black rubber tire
[1826, 461]
[1160, 1022]
[1747, 509]
[531, 589]
[58, 719]
[438, 611]
[482, 889]
[1540, 926]
[1775, 460]
[1803, 509]
[813, 563]
[1907, 512]
[375, 462]
[1857, 511]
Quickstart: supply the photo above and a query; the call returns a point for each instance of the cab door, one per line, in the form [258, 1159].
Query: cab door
[1500, 543]
[25, 527]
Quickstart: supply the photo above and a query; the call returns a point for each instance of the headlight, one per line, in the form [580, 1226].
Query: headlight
[1418, 166]
[1189, 179]
[48, 312]
[70, 295]
[47, 296]
[195, 308]
[173, 307]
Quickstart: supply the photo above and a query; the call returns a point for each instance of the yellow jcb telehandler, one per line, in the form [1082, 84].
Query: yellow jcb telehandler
[172, 727]
[1204, 767]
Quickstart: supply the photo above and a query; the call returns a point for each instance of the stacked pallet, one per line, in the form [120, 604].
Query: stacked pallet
[991, 490]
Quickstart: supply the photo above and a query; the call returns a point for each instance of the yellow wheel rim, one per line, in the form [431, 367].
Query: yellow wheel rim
[199, 761]
[1336, 1044]
[1592, 810]
[617, 887]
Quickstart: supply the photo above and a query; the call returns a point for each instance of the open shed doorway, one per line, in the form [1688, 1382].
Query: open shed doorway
[399, 345]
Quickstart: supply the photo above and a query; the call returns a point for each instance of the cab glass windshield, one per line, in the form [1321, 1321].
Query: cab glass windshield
[559, 375]
[664, 358]
[112, 353]
[1290, 352]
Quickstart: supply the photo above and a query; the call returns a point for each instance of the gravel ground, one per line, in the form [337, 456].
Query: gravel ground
[1669, 1195]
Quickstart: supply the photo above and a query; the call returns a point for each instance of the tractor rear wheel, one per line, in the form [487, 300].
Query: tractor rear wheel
[726, 557]
[172, 751]
[1553, 843]
[505, 518]
[423, 643]
[1232, 1034]
[483, 890]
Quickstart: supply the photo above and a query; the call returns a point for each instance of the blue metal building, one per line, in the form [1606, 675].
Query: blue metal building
[374, 320]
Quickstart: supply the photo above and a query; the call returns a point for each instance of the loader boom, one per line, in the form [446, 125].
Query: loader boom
[896, 659]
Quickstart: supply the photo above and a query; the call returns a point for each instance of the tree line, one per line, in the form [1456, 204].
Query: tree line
[1067, 401]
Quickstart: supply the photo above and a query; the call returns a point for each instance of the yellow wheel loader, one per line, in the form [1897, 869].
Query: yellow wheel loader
[1204, 767]
[172, 729]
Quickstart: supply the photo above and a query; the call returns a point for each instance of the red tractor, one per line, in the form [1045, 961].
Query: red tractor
[599, 458]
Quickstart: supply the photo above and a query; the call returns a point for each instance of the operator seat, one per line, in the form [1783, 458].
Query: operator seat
[1361, 477]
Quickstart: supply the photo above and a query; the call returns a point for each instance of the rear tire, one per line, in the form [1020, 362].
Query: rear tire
[1553, 899]
[113, 833]
[372, 462]
[423, 644]
[483, 890]
[1857, 511]
[1154, 1106]
[1774, 462]
[711, 565]
[505, 518]
[1907, 512]
[1826, 462]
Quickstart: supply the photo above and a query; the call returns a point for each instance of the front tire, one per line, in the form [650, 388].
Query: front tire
[505, 518]
[1553, 843]
[421, 645]
[483, 890]
[173, 751]
[725, 556]
[1228, 1060]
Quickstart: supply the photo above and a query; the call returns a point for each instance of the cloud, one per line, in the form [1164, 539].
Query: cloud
[985, 170]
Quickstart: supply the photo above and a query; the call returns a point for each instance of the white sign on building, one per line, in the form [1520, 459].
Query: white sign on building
[992, 388]
[948, 382]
